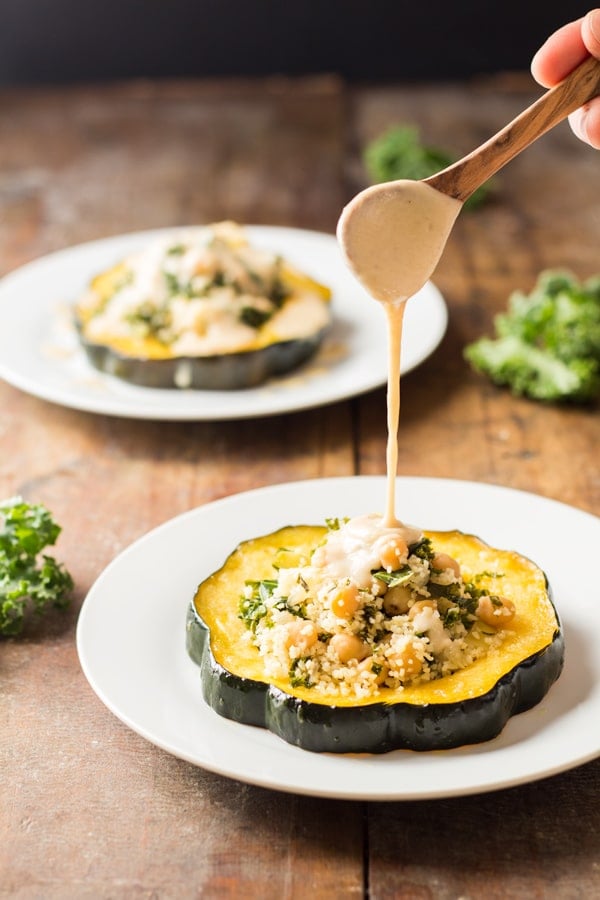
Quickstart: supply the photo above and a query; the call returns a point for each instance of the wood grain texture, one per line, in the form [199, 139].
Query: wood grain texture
[540, 840]
[87, 808]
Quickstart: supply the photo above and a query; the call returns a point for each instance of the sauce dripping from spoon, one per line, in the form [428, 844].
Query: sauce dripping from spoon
[393, 235]
[392, 239]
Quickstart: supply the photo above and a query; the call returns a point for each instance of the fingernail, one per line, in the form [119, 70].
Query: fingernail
[579, 124]
[594, 23]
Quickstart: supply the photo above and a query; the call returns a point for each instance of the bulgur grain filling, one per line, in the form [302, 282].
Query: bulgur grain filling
[374, 607]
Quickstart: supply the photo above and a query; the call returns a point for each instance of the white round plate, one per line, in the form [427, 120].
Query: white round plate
[131, 640]
[40, 352]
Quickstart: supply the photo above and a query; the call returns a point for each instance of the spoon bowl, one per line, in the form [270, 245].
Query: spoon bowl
[392, 236]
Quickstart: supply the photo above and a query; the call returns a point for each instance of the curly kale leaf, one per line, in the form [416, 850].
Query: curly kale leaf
[399, 153]
[547, 344]
[28, 576]
[533, 372]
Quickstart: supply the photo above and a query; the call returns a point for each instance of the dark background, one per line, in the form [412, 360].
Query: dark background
[58, 41]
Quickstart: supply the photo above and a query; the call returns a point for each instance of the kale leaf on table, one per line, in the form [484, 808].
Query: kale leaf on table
[547, 344]
[28, 576]
[399, 153]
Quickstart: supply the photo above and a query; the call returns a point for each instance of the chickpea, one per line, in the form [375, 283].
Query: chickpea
[366, 666]
[442, 561]
[396, 601]
[419, 606]
[347, 647]
[302, 635]
[497, 612]
[345, 601]
[406, 660]
[394, 553]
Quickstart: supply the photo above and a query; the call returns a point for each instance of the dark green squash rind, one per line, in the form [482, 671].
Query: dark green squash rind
[228, 371]
[378, 727]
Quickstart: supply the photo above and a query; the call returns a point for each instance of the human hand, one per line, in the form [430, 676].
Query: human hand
[561, 53]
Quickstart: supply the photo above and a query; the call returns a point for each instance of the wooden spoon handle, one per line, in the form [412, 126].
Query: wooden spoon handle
[465, 176]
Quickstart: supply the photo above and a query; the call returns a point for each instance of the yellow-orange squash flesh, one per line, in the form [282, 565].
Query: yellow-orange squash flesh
[468, 706]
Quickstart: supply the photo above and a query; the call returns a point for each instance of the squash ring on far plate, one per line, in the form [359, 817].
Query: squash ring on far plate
[222, 372]
[202, 308]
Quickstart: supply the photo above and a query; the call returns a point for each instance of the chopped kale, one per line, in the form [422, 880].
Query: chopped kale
[393, 579]
[451, 616]
[369, 613]
[299, 679]
[254, 608]
[124, 281]
[153, 321]
[422, 549]
[254, 317]
[251, 611]
[256, 279]
[278, 293]
[334, 524]
[178, 288]
[481, 575]
[283, 604]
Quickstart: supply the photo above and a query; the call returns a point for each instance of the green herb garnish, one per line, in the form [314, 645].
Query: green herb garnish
[254, 317]
[152, 321]
[334, 524]
[298, 679]
[254, 608]
[283, 604]
[393, 579]
[178, 288]
[423, 549]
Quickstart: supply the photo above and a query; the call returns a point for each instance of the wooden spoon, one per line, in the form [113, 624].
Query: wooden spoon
[462, 178]
[393, 234]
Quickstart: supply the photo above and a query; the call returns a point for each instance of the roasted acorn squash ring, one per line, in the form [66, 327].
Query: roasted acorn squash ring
[468, 707]
[227, 371]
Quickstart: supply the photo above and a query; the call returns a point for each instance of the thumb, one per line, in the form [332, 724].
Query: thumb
[590, 32]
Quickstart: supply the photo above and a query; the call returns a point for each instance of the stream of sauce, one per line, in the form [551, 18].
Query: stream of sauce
[395, 318]
[392, 236]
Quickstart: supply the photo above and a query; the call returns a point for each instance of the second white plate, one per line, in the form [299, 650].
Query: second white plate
[40, 353]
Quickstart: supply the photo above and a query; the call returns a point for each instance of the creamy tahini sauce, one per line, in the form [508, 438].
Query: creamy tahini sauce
[208, 323]
[395, 318]
[392, 236]
[355, 550]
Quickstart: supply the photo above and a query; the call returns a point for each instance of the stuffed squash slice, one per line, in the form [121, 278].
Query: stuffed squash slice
[202, 308]
[358, 637]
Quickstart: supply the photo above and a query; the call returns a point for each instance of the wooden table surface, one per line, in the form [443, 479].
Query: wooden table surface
[88, 808]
